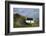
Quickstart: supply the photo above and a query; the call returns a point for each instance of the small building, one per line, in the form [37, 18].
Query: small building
[29, 20]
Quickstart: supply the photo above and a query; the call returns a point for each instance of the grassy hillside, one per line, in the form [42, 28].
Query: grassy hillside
[19, 21]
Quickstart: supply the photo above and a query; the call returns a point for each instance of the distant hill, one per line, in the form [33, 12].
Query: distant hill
[17, 16]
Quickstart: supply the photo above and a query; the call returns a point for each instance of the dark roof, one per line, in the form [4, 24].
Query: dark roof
[29, 18]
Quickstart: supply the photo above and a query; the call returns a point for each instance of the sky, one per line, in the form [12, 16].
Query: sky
[29, 12]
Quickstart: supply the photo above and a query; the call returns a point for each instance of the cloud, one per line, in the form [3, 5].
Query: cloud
[29, 12]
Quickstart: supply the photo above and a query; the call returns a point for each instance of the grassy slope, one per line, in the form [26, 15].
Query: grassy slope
[19, 22]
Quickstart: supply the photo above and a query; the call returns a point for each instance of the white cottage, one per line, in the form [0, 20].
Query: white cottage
[29, 20]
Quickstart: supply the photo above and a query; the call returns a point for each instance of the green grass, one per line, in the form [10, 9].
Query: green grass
[19, 22]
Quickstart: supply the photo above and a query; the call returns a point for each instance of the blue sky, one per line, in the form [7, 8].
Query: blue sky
[29, 12]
